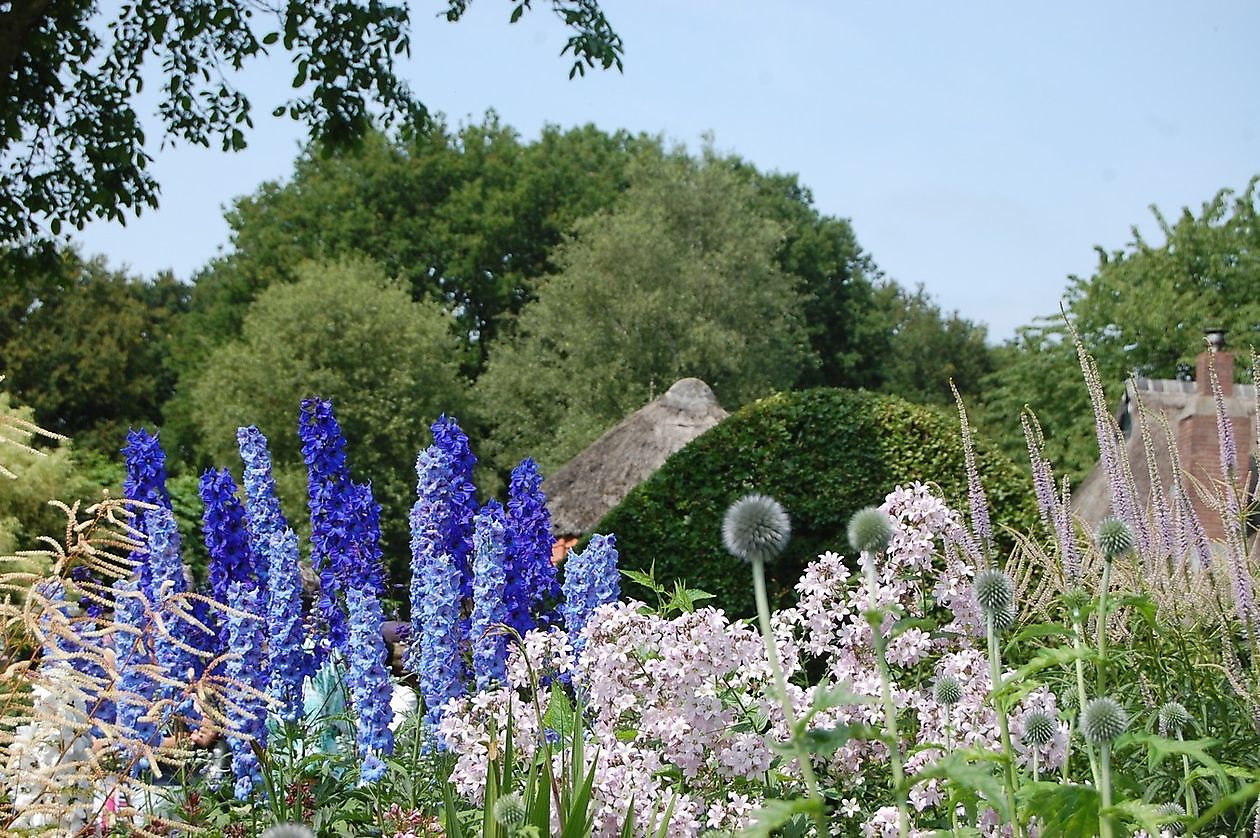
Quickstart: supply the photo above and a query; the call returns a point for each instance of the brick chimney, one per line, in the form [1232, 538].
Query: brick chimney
[1197, 436]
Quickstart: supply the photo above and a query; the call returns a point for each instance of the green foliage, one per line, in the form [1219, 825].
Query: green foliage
[823, 454]
[664, 286]
[1143, 310]
[72, 146]
[25, 514]
[344, 332]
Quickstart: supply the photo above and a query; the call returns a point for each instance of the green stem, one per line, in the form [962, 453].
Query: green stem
[1008, 753]
[1104, 788]
[1102, 630]
[1078, 643]
[1192, 803]
[772, 650]
[1036, 765]
[949, 749]
[874, 618]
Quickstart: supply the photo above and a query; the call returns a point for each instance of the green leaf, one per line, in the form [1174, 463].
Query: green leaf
[972, 770]
[270, 38]
[906, 623]
[1038, 631]
[1064, 811]
[1144, 815]
[1054, 656]
[776, 814]
[826, 741]
[1159, 748]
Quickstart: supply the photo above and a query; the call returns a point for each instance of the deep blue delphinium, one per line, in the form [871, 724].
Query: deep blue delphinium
[247, 712]
[135, 687]
[591, 579]
[262, 507]
[145, 481]
[170, 648]
[368, 678]
[227, 539]
[441, 540]
[366, 533]
[532, 580]
[331, 497]
[287, 659]
[489, 646]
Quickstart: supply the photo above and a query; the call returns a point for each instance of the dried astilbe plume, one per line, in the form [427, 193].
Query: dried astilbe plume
[20, 433]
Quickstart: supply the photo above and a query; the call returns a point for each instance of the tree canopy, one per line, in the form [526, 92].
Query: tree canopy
[73, 148]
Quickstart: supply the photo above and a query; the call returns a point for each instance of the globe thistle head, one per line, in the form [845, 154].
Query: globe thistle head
[1173, 718]
[1174, 811]
[1039, 728]
[1103, 720]
[509, 810]
[1114, 538]
[287, 830]
[994, 592]
[948, 690]
[756, 528]
[870, 530]
[1004, 620]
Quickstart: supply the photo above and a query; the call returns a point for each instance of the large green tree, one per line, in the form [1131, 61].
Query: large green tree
[85, 346]
[347, 332]
[72, 147]
[927, 348]
[679, 279]
[1143, 311]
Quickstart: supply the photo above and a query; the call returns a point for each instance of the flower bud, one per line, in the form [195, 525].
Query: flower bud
[870, 530]
[1039, 728]
[1173, 810]
[756, 528]
[948, 691]
[1103, 720]
[1114, 538]
[509, 810]
[994, 592]
[1173, 718]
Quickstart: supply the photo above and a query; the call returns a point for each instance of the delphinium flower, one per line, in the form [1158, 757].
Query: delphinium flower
[145, 481]
[591, 579]
[531, 577]
[135, 686]
[287, 659]
[262, 507]
[489, 646]
[365, 517]
[247, 712]
[368, 678]
[171, 646]
[330, 495]
[441, 538]
[227, 539]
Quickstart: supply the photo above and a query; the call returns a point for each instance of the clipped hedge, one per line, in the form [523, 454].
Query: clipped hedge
[823, 454]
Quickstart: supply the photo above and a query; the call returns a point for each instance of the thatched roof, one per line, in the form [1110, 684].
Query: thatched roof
[585, 488]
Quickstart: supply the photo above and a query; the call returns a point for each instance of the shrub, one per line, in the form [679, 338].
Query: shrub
[824, 454]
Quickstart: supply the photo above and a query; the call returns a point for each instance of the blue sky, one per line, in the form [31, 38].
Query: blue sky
[979, 148]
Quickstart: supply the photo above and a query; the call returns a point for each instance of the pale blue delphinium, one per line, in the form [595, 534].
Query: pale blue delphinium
[532, 581]
[490, 581]
[591, 579]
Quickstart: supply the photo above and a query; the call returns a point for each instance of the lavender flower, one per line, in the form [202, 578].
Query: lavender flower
[146, 482]
[262, 507]
[227, 540]
[331, 497]
[287, 660]
[441, 538]
[979, 504]
[590, 580]
[490, 607]
[531, 577]
[369, 681]
[247, 712]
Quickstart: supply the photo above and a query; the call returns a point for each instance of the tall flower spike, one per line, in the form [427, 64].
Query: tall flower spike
[180, 634]
[591, 579]
[532, 578]
[368, 678]
[975, 490]
[756, 528]
[145, 481]
[227, 541]
[247, 712]
[489, 586]
[135, 686]
[331, 497]
[262, 507]
[287, 659]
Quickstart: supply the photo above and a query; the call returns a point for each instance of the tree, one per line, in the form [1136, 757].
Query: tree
[1143, 311]
[87, 347]
[72, 146]
[679, 279]
[928, 348]
[346, 332]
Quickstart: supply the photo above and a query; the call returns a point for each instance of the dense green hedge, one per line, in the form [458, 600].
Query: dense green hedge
[823, 454]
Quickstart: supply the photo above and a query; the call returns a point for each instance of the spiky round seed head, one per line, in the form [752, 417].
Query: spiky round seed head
[756, 528]
[1004, 620]
[1173, 810]
[1075, 601]
[870, 530]
[1103, 720]
[1173, 718]
[994, 592]
[287, 830]
[1114, 538]
[509, 810]
[948, 690]
[1070, 700]
[1039, 728]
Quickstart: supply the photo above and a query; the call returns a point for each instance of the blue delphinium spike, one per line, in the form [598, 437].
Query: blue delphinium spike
[262, 507]
[590, 580]
[287, 659]
[170, 648]
[247, 712]
[227, 540]
[366, 533]
[489, 646]
[145, 481]
[532, 579]
[462, 498]
[330, 495]
[368, 678]
[135, 686]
